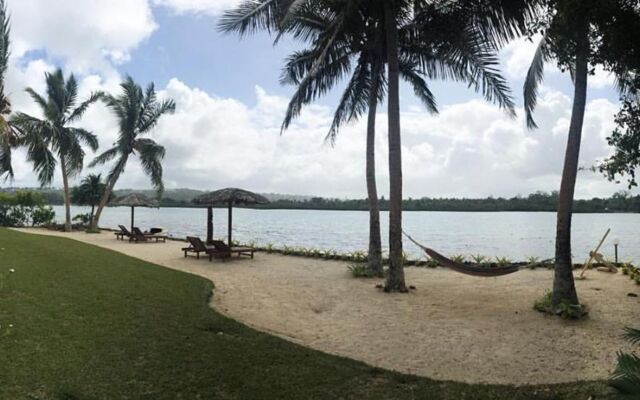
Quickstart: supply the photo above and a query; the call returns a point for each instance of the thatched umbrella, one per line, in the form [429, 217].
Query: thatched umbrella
[134, 200]
[229, 197]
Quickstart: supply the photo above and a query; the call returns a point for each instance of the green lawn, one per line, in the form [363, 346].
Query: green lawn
[93, 324]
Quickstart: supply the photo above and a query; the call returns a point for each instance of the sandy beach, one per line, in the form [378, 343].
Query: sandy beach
[452, 327]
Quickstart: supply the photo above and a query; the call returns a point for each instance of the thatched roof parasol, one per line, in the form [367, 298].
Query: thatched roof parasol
[231, 196]
[134, 200]
[228, 197]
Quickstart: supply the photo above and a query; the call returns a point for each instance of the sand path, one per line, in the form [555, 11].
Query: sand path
[453, 327]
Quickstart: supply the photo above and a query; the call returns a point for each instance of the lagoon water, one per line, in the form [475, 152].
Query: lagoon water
[510, 234]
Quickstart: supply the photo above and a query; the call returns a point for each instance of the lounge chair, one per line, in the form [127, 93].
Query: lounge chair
[124, 232]
[197, 247]
[222, 248]
[140, 236]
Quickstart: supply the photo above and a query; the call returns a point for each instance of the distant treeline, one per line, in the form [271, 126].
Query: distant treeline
[540, 201]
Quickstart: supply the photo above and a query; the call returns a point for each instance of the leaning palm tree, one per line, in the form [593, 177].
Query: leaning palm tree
[371, 32]
[579, 35]
[53, 136]
[138, 112]
[8, 135]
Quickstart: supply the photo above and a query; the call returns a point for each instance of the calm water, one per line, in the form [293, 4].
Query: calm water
[512, 234]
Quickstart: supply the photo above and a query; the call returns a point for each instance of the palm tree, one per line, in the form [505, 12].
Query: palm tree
[408, 38]
[8, 135]
[89, 192]
[578, 35]
[138, 112]
[53, 136]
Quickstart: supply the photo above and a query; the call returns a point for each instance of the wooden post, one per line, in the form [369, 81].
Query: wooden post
[230, 220]
[132, 216]
[592, 254]
[209, 224]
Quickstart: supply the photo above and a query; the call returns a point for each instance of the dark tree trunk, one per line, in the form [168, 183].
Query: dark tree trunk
[93, 209]
[564, 288]
[133, 213]
[107, 192]
[395, 278]
[374, 259]
[67, 198]
[230, 224]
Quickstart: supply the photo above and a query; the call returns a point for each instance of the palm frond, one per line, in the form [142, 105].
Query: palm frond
[79, 111]
[254, 15]
[534, 78]
[105, 157]
[632, 335]
[151, 155]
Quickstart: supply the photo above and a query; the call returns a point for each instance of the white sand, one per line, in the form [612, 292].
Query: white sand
[453, 327]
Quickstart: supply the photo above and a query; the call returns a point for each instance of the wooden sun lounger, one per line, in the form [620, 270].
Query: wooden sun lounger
[124, 232]
[197, 246]
[222, 248]
[140, 236]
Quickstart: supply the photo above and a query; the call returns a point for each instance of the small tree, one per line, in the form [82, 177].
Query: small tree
[89, 192]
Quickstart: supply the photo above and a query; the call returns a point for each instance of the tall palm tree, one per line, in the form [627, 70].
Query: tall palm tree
[579, 35]
[138, 112]
[89, 192]
[53, 136]
[372, 32]
[8, 135]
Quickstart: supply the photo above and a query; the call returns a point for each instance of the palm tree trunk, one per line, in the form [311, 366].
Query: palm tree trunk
[564, 289]
[67, 198]
[107, 192]
[374, 258]
[395, 278]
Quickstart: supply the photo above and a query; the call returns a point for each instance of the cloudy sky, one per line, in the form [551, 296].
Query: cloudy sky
[225, 131]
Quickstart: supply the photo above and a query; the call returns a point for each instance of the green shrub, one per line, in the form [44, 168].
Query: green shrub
[459, 258]
[359, 270]
[431, 263]
[564, 309]
[24, 208]
[479, 259]
[503, 261]
[626, 377]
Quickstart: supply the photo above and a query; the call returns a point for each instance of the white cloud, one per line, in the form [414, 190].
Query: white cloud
[470, 149]
[209, 7]
[85, 35]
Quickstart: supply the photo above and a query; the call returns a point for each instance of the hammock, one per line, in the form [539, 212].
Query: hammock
[467, 269]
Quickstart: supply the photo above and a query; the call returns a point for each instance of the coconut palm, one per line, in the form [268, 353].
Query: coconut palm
[8, 135]
[384, 23]
[53, 136]
[138, 112]
[579, 35]
[89, 192]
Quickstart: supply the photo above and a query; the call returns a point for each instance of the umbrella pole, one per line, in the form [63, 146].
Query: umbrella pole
[230, 219]
[209, 224]
[132, 216]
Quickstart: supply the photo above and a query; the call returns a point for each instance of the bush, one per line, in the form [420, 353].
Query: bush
[564, 309]
[626, 377]
[24, 208]
[359, 270]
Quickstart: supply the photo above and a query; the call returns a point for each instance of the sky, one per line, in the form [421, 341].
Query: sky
[230, 105]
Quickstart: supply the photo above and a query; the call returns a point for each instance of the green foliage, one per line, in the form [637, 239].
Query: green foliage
[458, 258]
[564, 309]
[269, 248]
[431, 263]
[503, 261]
[479, 259]
[84, 219]
[626, 377]
[89, 192]
[24, 208]
[359, 270]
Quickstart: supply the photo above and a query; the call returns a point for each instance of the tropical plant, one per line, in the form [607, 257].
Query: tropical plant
[89, 192]
[138, 112]
[54, 136]
[379, 33]
[578, 35]
[626, 138]
[502, 261]
[24, 208]
[8, 135]
[359, 270]
[626, 377]
[459, 258]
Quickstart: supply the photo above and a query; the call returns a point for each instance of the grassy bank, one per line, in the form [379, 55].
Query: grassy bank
[89, 323]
